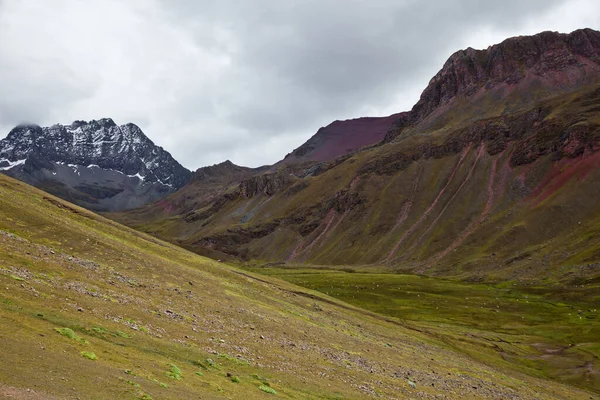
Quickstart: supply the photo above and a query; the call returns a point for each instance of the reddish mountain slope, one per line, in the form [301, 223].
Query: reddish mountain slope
[342, 137]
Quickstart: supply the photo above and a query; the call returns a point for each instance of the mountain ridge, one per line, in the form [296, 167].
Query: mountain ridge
[509, 75]
[418, 200]
[340, 138]
[121, 166]
[504, 78]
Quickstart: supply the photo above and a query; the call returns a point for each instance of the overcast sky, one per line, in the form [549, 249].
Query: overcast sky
[246, 80]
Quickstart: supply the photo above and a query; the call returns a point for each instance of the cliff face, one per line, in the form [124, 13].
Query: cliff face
[264, 184]
[548, 63]
[96, 164]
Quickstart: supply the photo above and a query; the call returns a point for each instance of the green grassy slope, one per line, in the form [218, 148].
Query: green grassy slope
[91, 309]
[544, 330]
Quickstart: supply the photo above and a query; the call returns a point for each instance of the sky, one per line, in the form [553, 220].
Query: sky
[246, 80]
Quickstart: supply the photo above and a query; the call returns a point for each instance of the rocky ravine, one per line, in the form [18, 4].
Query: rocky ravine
[95, 164]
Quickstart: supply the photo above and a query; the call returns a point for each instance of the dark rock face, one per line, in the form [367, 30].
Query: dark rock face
[549, 59]
[266, 184]
[96, 164]
[229, 241]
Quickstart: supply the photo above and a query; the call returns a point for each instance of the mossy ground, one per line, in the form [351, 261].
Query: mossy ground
[547, 329]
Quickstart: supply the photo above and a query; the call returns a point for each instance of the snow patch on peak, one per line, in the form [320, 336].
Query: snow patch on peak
[140, 177]
[11, 164]
[87, 144]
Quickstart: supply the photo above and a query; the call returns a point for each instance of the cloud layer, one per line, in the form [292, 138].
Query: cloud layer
[246, 81]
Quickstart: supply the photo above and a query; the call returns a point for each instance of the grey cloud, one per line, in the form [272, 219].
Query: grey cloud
[325, 57]
[246, 81]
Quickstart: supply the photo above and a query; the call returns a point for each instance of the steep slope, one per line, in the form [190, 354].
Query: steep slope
[486, 178]
[96, 164]
[510, 196]
[91, 309]
[504, 78]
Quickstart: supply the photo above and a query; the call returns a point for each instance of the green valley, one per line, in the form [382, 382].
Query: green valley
[91, 308]
[546, 328]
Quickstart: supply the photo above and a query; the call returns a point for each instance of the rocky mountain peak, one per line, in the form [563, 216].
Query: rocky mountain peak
[546, 62]
[97, 144]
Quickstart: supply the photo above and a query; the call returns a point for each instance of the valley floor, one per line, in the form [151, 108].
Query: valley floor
[543, 329]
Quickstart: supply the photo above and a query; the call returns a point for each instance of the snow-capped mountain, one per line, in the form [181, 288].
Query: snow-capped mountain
[96, 164]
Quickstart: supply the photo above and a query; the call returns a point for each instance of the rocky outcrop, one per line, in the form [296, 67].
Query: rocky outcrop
[265, 184]
[510, 75]
[535, 134]
[229, 241]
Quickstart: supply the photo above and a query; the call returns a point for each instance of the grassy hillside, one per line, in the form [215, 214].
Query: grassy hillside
[509, 196]
[90, 309]
[544, 329]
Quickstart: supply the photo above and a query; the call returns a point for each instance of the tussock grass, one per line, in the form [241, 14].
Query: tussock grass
[89, 355]
[267, 389]
[69, 333]
[174, 372]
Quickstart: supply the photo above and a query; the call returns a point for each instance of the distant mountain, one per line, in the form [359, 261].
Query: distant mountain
[95, 164]
[492, 174]
[208, 190]
[342, 137]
